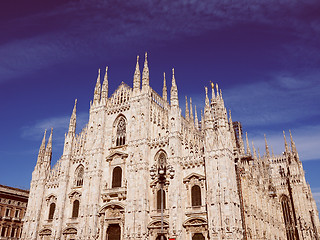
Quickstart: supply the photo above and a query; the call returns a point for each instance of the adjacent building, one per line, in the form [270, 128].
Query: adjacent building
[13, 205]
[219, 186]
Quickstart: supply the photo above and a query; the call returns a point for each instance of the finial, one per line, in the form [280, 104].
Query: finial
[247, 143]
[207, 99]
[191, 109]
[293, 145]
[285, 142]
[266, 145]
[137, 59]
[164, 79]
[173, 72]
[187, 109]
[254, 151]
[272, 152]
[217, 88]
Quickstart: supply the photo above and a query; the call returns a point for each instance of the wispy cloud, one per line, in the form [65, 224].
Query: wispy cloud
[59, 124]
[281, 98]
[316, 196]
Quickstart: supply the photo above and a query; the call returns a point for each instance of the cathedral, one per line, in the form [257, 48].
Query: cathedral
[141, 170]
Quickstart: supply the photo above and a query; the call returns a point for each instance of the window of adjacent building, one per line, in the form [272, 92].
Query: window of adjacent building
[116, 177]
[8, 212]
[159, 199]
[13, 231]
[121, 132]
[79, 176]
[17, 213]
[3, 231]
[51, 211]
[196, 196]
[75, 209]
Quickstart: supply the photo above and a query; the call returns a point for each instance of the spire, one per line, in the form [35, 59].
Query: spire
[293, 145]
[202, 119]
[207, 99]
[97, 89]
[241, 145]
[137, 77]
[254, 151]
[233, 136]
[191, 111]
[247, 143]
[187, 110]
[42, 148]
[73, 119]
[145, 73]
[272, 152]
[267, 147]
[164, 90]
[212, 89]
[285, 142]
[174, 91]
[49, 147]
[196, 117]
[104, 92]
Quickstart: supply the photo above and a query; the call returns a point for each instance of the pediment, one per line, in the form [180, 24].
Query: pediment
[70, 230]
[45, 231]
[116, 154]
[193, 175]
[74, 194]
[121, 95]
[194, 222]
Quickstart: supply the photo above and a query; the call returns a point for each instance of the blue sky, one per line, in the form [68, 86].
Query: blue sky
[265, 55]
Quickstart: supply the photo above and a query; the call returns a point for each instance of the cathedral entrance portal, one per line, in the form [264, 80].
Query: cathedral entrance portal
[198, 236]
[113, 232]
[159, 238]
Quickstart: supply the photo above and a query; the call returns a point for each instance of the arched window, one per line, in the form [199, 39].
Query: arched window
[79, 176]
[116, 177]
[159, 199]
[52, 208]
[121, 132]
[75, 209]
[196, 196]
[287, 216]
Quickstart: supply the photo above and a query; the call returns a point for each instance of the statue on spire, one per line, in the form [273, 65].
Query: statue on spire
[174, 91]
[145, 73]
[164, 90]
[104, 92]
[97, 90]
[136, 77]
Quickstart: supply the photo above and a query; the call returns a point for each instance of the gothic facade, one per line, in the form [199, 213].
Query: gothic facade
[220, 187]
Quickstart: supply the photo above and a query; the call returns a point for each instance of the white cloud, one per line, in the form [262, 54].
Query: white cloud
[59, 124]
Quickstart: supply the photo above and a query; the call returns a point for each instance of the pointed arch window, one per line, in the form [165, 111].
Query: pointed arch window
[52, 209]
[75, 209]
[196, 196]
[79, 176]
[159, 199]
[288, 218]
[116, 177]
[121, 132]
